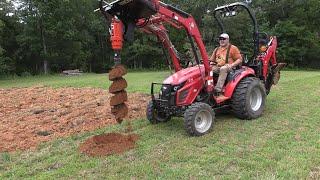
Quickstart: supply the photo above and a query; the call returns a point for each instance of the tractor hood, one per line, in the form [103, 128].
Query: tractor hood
[184, 75]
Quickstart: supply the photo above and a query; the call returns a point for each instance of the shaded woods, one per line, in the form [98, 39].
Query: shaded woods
[41, 36]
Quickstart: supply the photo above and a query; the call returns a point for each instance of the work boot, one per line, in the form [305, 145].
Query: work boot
[219, 95]
[221, 98]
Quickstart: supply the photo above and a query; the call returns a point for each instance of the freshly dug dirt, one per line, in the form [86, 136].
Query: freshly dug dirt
[120, 111]
[108, 144]
[118, 85]
[119, 98]
[29, 116]
[117, 72]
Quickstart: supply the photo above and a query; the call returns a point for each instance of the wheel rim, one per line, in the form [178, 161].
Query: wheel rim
[256, 99]
[203, 121]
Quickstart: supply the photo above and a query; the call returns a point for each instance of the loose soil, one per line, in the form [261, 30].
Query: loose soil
[117, 72]
[120, 111]
[119, 98]
[118, 85]
[29, 116]
[108, 144]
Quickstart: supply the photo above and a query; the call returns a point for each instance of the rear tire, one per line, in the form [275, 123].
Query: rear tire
[154, 116]
[199, 119]
[248, 99]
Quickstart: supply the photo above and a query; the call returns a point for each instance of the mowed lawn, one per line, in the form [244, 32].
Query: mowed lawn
[137, 81]
[283, 144]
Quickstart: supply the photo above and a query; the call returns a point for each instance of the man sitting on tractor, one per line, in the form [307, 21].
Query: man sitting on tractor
[224, 58]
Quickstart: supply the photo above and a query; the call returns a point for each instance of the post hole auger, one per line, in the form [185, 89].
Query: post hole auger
[120, 28]
[119, 84]
[119, 108]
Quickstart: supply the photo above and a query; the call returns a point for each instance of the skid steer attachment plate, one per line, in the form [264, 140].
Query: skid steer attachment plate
[132, 10]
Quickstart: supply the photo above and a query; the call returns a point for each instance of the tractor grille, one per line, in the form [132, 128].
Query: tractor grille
[163, 94]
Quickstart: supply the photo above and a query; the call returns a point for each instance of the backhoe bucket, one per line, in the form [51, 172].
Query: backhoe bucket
[276, 72]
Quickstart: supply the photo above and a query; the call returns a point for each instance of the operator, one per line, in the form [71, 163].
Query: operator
[224, 58]
[189, 54]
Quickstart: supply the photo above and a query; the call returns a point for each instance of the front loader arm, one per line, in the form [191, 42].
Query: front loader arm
[177, 18]
[163, 37]
[152, 14]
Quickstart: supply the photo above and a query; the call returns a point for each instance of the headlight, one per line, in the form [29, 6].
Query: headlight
[177, 87]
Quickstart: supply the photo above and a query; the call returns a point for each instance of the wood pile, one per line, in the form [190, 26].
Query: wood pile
[75, 72]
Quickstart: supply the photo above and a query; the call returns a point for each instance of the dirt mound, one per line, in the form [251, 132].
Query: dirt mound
[108, 144]
[29, 116]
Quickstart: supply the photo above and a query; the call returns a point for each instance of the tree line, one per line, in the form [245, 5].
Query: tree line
[42, 36]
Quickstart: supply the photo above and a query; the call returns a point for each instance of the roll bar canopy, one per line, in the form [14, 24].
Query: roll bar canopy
[230, 8]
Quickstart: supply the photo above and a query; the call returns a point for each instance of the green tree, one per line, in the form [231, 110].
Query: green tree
[59, 35]
[8, 31]
[64, 34]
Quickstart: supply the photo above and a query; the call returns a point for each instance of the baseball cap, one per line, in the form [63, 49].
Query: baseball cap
[224, 35]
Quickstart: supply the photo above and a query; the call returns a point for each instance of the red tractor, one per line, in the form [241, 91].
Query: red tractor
[189, 91]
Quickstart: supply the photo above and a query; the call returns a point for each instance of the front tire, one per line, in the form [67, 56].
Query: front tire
[199, 119]
[248, 99]
[155, 116]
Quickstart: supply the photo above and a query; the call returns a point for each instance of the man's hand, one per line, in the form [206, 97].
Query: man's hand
[229, 66]
[236, 63]
[213, 63]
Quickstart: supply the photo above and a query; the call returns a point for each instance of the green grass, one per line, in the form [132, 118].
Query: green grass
[137, 81]
[283, 144]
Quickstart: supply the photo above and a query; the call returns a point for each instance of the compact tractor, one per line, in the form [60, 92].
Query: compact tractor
[188, 92]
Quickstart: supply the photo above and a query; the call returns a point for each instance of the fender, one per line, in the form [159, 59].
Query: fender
[231, 86]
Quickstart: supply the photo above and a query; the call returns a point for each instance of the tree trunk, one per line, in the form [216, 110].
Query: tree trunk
[44, 45]
[140, 64]
[45, 66]
[134, 63]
